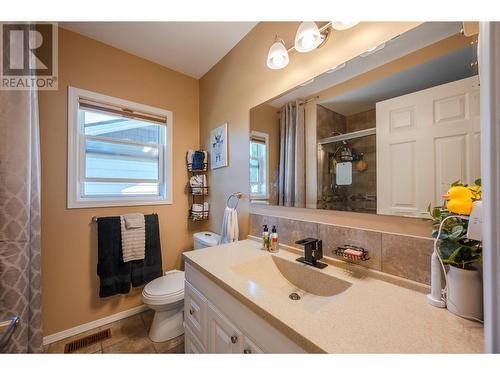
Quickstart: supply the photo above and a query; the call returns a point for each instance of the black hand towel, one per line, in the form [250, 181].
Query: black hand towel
[114, 274]
[143, 271]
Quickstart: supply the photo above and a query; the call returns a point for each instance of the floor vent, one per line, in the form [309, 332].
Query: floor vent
[75, 345]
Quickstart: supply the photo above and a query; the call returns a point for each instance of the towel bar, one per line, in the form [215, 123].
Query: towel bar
[95, 218]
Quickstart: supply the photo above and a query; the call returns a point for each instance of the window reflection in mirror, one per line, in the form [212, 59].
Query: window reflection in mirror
[259, 166]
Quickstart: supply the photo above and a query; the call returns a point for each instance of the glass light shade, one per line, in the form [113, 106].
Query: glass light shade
[343, 25]
[308, 37]
[277, 58]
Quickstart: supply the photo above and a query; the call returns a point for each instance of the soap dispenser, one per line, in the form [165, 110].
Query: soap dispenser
[274, 240]
[265, 238]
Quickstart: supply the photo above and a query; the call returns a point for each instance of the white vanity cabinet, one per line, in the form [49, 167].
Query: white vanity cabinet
[216, 322]
[210, 331]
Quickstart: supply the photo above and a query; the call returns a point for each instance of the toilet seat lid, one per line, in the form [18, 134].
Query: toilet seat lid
[170, 284]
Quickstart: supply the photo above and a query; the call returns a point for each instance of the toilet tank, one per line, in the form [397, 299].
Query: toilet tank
[205, 239]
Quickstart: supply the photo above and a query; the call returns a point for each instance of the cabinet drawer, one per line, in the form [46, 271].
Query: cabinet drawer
[195, 313]
[191, 343]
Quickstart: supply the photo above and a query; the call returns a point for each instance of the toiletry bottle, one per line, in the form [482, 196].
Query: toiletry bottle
[274, 240]
[265, 238]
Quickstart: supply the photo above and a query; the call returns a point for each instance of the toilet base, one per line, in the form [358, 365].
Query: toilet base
[167, 325]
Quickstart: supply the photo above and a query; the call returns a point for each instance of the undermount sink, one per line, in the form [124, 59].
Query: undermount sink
[277, 274]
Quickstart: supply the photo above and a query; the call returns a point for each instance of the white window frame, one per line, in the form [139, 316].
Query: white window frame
[76, 154]
[265, 137]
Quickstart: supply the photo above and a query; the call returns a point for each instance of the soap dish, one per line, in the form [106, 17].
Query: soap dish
[352, 252]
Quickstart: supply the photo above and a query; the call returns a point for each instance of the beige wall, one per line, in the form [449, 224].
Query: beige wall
[69, 253]
[241, 80]
[264, 118]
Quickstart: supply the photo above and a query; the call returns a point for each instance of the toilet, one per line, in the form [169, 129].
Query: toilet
[205, 239]
[165, 295]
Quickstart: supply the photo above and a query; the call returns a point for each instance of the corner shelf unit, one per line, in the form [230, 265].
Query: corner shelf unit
[198, 193]
[347, 136]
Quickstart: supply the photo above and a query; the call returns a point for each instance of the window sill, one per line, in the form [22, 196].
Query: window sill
[259, 197]
[88, 203]
[259, 200]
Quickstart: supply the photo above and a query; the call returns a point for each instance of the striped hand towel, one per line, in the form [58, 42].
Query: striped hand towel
[133, 237]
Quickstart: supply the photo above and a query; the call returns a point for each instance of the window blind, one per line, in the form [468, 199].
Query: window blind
[119, 111]
[258, 139]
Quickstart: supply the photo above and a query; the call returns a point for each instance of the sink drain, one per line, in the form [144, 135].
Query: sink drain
[294, 296]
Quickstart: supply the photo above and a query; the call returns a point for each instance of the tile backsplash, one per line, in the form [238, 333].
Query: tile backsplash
[407, 257]
[404, 256]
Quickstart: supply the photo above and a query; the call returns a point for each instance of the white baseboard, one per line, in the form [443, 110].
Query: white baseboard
[94, 324]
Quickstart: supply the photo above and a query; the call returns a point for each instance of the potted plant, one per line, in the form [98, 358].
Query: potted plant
[462, 255]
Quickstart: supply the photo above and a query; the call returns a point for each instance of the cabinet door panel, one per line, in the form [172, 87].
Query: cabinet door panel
[249, 347]
[195, 312]
[223, 336]
[192, 345]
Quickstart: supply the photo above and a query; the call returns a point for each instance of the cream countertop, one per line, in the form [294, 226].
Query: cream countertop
[371, 316]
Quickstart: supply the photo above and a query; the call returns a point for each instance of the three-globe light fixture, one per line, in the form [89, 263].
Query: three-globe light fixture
[307, 38]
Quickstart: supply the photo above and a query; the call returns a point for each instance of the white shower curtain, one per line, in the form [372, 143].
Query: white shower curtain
[20, 268]
[292, 176]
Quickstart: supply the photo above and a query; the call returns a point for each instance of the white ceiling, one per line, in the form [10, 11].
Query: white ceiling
[192, 48]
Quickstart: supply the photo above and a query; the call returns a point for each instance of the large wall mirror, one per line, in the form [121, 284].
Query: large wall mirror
[385, 133]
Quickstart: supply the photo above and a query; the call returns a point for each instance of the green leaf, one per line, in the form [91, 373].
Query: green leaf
[436, 213]
[443, 236]
[447, 248]
[457, 183]
[456, 232]
[456, 257]
[477, 182]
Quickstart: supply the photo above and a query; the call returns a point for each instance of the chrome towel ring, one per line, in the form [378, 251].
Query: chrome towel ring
[238, 195]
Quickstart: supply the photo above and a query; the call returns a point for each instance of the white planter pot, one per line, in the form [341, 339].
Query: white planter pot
[465, 292]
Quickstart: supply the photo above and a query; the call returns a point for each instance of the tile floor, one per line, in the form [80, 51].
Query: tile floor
[129, 335]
